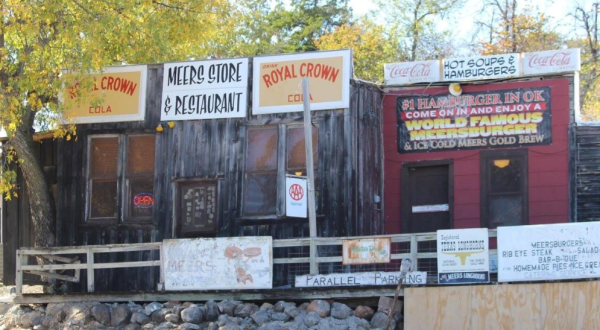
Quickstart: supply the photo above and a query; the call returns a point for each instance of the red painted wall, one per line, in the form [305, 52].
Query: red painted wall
[548, 164]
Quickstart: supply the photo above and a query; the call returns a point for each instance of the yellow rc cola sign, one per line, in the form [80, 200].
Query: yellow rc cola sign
[117, 94]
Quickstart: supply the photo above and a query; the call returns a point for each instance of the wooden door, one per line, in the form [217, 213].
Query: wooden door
[426, 197]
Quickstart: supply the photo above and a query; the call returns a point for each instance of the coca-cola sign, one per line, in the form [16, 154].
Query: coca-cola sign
[405, 73]
[553, 61]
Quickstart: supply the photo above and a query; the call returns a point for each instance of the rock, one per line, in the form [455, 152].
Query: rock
[245, 310]
[177, 310]
[321, 307]
[158, 316]
[304, 306]
[380, 320]
[120, 315]
[165, 325]
[31, 319]
[266, 306]
[152, 307]
[101, 313]
[340, 311]
[279, 316]
[291, 311]
[140, 318]
[300, 317]
[189, 326]
[228, 306]
[131, 326]
[56, 312]
[280, 306]
[364, 312]
[311, 319]
[222, 320]
[261, 316]
[230, 326]
[148, 326]
[171, 304]
[211, 310]
[338, 324]
[172, 318]
[326, 324]
[192, 315]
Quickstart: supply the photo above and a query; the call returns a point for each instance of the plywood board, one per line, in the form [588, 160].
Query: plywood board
[570, 305]
[218, 263]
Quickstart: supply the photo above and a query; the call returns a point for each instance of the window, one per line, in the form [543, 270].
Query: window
[262, 177]
[198, 205]
[504, 194]
[106, 178]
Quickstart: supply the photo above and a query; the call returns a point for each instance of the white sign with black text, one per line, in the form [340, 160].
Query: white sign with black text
[481, 67]
[549, 252]
[358, 279]
[205, 90]
[295, 198]
[552, 61]
[406, 73]
[463, 256]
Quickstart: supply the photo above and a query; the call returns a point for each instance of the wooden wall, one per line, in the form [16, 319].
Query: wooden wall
[349, 167]
[586, 154]
[566, 305]
[548, 165]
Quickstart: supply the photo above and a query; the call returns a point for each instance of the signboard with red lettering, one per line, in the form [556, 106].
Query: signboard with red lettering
[490, 119]
[552, 61]
[407, 73]
[295, 197]
[115, 95]
[277, 81]
[482, 67]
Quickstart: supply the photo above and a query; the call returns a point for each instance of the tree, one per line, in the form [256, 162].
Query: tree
[510, 30]
[39, 38]
[412, 23]
[370, 48]
[587, 22]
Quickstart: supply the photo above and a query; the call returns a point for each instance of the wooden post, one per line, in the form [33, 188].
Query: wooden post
[90, 270]
[414, 249]
[19, 279]
[312, 215]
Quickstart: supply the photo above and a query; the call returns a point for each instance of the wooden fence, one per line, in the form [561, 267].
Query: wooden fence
[314, 253]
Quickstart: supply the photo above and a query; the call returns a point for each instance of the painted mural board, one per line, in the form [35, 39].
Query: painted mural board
[277, 86]
[117, 94]
[549, 252]
[463, 256]
[479, 120]
[360, 279]
[406, 73]
[481, 67]
[366, 251]
[231, 263]
[208, 89]
[296, 204]
[552, 61]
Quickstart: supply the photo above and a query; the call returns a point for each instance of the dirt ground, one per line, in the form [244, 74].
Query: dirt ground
[5, 290]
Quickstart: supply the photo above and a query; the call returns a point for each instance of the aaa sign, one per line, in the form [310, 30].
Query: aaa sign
[295, 197]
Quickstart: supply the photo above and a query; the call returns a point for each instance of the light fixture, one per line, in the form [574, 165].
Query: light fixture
[171, 124]
[298, 173]
[501, 163]
[455, 89]
[159, 128]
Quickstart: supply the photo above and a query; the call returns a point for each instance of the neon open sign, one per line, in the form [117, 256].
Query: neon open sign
[143, 200]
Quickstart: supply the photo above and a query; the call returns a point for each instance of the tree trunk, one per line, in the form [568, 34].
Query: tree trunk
[41, 203]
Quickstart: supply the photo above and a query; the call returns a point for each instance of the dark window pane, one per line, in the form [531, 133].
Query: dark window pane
[104, 199]
[261, 193]
[141, 192]
[505, 175]
[505, 211]
[296, 155]
[104, 153]
[140, 156]
[198, 208]
[262, 149]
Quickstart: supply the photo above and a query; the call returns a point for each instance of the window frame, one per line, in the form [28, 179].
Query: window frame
[485, 179]
[123, 192]
[127, 178]
[177, 208]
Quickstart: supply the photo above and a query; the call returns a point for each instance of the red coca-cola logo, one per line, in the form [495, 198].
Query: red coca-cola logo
[416, 70]
[556, 59]
[296, 192]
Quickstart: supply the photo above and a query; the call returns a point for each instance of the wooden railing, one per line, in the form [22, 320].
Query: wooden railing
[53, 255]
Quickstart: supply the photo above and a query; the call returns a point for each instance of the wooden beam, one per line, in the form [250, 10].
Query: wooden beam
[90, 270]
[53, 275]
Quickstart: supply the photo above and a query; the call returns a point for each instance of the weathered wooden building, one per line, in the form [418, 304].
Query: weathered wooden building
[127, 182]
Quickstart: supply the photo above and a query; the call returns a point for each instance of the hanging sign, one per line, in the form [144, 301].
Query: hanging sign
[226, 263]
[406, 73]
[118, 94]
[549, 252]
[490, 119]
[277, 83]
[463, 256]
[552, 61]
[296, 204]
[205, 90]
[359, 279]
[482, 67]
[366, 251]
